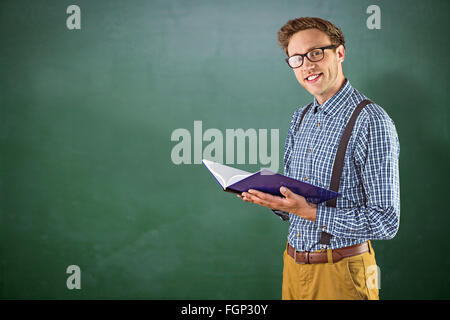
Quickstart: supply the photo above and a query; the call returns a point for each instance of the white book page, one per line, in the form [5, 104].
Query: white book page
[225, 175]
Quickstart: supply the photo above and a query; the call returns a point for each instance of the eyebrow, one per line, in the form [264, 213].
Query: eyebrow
[308, 50]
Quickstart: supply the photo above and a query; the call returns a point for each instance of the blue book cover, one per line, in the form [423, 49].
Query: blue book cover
[238, 181]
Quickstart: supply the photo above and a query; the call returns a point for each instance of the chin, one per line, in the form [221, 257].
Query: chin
[312, 91]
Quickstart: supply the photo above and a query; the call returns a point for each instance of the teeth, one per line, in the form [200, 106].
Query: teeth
[312, 77]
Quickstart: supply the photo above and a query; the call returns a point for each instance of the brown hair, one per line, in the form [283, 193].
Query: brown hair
[293, 26]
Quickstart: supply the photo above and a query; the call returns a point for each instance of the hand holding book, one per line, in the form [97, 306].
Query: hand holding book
[239, 181]
[290, 202]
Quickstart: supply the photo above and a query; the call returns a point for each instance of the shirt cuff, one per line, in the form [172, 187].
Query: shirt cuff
[282, 214]
[325, 217]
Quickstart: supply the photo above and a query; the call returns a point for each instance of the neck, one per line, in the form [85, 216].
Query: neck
[327, 95]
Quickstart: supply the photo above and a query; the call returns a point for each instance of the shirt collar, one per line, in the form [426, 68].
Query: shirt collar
[332, 105]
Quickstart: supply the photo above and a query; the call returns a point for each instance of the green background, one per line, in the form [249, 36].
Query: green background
[86, 118]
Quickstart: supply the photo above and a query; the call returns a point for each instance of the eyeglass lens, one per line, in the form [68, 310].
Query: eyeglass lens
[314, 56]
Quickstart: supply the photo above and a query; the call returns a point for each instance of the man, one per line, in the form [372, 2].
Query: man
[329, 254]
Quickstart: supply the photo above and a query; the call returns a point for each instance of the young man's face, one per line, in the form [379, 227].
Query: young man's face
[329, 68]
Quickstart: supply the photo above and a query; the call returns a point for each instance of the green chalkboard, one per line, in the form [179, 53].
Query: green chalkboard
[87, 118]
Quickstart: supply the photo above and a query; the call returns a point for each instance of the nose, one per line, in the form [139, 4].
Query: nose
[307, 64]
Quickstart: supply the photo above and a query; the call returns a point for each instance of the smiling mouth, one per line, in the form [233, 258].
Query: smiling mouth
[313, 78]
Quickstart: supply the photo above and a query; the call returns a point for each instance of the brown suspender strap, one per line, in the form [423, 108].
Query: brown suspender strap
[338, 165]
[342, 149]
[287, 159]
[301, 118]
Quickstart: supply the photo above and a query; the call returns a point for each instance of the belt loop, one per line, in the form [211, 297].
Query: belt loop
[370, 247]
[330, 255]
[307, 257]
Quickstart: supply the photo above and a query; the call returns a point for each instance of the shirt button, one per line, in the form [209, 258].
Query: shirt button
[306, 178]
[298, 235]
[318, 124]
[309, 150]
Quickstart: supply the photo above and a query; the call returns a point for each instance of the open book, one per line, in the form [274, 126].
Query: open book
[238, 181]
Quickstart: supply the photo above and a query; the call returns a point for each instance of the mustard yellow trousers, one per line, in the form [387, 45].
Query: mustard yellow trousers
[352, 278]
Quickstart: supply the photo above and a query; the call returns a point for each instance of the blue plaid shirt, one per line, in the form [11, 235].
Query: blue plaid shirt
[370, 204]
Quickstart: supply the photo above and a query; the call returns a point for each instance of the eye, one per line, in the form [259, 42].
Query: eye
[316, 53]
[295, 61]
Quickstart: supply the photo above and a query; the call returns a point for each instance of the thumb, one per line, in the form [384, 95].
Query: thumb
[286, 192]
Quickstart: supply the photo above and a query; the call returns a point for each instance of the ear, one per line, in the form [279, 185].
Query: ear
[340, 53]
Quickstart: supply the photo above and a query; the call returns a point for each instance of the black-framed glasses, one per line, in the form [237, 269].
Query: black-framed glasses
[315, 55]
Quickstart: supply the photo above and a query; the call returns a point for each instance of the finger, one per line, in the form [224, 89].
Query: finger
[286, 192]
[246, 196]
[243, 198]
[263, 195]
[269, 200]
[255, 199]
